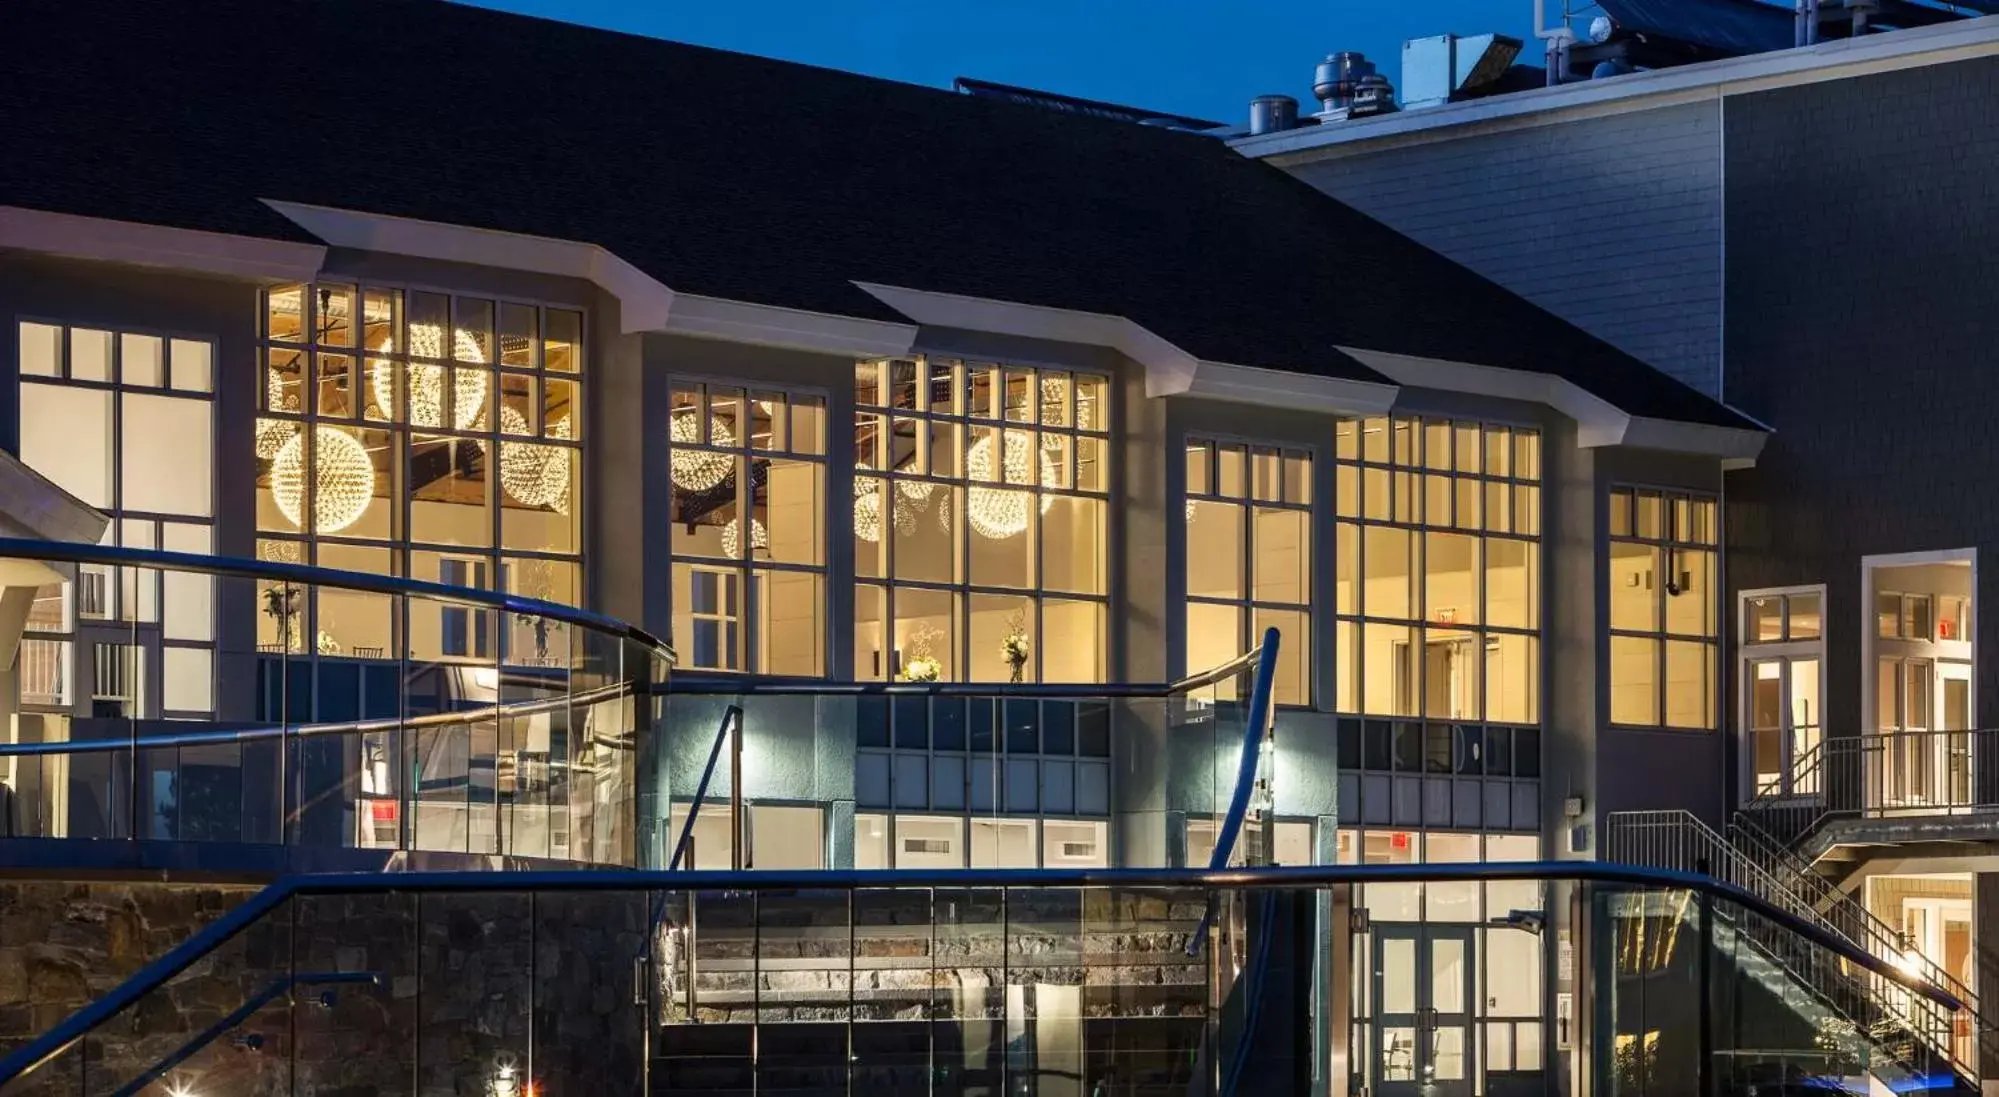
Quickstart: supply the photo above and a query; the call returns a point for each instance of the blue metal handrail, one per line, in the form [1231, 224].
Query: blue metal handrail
[72, 552]
[246, 914]
[1256, 723]
[236, 1017]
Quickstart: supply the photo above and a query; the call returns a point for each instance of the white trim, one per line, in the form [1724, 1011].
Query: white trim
[1283, 389]
[740, 321]
[1598, 422]
[1748, 651]
[1870, 656]
[76, 237]
[1832, 60]
[1168, 369]
[646, 302]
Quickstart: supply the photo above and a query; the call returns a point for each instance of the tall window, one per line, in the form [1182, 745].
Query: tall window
[441, 438]
[1662, 609]
[1783, 692]
[1438, 570]
[1249, 557]
[124, 421]
[749, 500]
[980, 528]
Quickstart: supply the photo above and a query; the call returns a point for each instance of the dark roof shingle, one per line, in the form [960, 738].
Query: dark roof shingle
[739, 177]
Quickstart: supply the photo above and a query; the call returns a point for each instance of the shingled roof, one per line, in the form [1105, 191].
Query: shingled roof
[738, 177]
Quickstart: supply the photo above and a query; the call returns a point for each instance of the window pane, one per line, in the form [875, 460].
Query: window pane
[361, 624]
[142, 360]
[538, 511]
[66, 436]
[791, 625]
[1451, 663]
[1389, 671]
[707, 608]
[284, 315]
[1215, 550]
[1634, 598]
[1072, 545]
[518, 338]
[1689, 685]
[1214, 635]
[1266, 475]
[1634, 681]
[871, 663]
[1293, 683]
[1072, 633]
[1527, 455]
[449, 503]
[166, 464]
[1000, 540]
[1298, 478]
[1387, 561]
[190, 366]
[41, 350]
[1346, 568]
[1916, 617]
[333, 316]
[1764, 619]
[1690, 601]
[1283, 565]
[473, 341]
[870, 504]
[1512, 678]
[89, 354]
[1002, 639]
[1346, 666]
[926, 623]
[1450, 578]
[788, 505]
[1229, 476]
[562, 349]
[1512, 583]
[1437, 445]
[189, 597]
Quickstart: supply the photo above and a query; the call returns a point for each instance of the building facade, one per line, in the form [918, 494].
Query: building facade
[809, 389]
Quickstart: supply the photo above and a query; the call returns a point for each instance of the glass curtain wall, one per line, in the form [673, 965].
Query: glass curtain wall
[980, 522]
[749, 504]
[1437, 561]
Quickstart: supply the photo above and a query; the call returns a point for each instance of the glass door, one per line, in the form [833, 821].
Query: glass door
[1422, 991]
[1953, 724]
[1784, 725]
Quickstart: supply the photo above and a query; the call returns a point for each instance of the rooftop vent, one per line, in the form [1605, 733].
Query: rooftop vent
[1271, 113]
[1348, 87]
[1445, 67]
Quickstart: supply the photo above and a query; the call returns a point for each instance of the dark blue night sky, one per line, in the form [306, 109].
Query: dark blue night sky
[1199, 57]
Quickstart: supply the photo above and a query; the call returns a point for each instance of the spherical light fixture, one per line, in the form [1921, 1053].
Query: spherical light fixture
[426, 383]
[732, 538]
[698, 469]
[867, 507]
[997, 513]
[343, 483]
[533, 474]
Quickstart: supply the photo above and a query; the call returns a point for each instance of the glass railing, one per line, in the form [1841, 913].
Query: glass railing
[958, 982]
[171, 698]
[946, 775]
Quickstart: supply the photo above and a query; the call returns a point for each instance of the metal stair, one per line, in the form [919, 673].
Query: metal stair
[1917, 1036]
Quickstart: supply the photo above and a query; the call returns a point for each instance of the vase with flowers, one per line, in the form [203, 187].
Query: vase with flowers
[1014, 649]
[918, 664]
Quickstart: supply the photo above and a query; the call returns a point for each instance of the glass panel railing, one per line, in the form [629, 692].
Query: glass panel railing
[174, 699]
[931, 982]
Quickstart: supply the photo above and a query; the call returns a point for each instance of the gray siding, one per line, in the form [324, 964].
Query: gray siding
[1613, 223]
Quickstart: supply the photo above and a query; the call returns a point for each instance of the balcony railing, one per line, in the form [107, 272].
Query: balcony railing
[1883, 775]
[425, 718]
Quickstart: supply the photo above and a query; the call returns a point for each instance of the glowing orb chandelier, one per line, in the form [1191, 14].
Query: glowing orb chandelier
[468, 387]
[867, 507]
[732, 538]
[534, 474]
[272, 434]
[916, 491]
[998, 513]
[697, 469]
[343, 484]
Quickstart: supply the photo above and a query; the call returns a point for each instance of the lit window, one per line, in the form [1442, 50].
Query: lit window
[124, 421]
[1663, 605]
[1248, 517]
[980, 522]
[748, 470]
[1437, 570]
[442, 438]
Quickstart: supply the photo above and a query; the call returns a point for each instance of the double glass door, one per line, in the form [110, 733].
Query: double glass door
[1423, 1015]
[1924, 718]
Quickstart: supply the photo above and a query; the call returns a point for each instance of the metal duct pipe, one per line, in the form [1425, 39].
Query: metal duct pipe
[1272, 113]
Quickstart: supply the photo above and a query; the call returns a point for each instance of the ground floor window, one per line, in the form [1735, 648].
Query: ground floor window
[943, 841]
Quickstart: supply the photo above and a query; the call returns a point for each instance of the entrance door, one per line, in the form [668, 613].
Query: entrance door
[1953, 723]
[1422, 991]
[1784, 725]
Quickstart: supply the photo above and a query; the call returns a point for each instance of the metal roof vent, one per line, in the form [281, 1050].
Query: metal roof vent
[1445, 67]
[1336, 80]
[1272, 113]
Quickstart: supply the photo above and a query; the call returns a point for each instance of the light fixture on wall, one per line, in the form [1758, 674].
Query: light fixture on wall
[426, 383]
[999, 513]
[698, 469]
[533, 474]
[343, 480]
[732, 538]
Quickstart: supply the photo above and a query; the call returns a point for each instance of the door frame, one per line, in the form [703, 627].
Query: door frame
[1425, 936]
[1748, 654]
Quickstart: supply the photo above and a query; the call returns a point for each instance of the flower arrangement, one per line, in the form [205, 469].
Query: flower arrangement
[1014, 649]
[919, 665]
